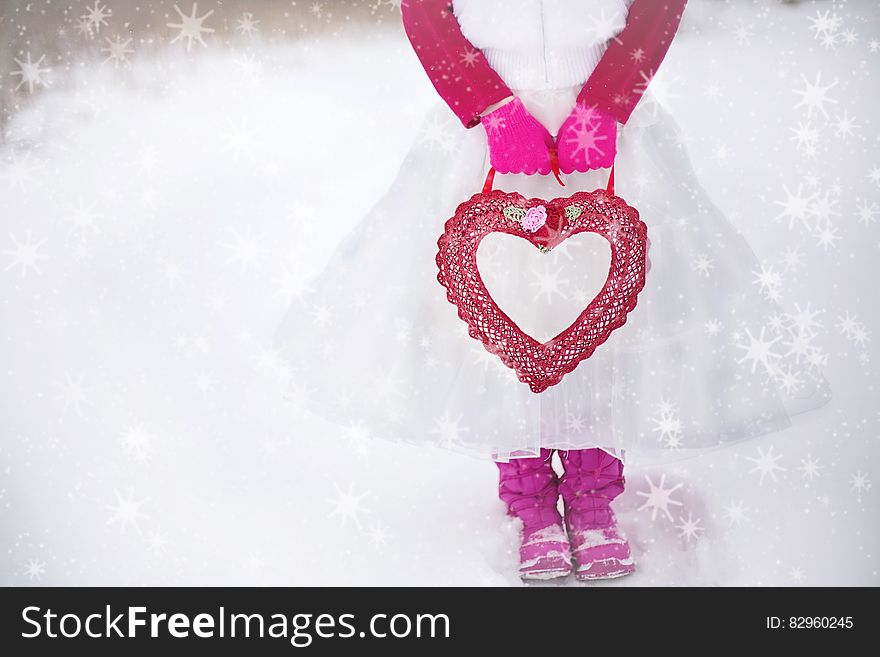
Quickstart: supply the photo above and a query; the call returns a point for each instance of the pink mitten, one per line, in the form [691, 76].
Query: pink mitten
[587, 140]
[518, 143]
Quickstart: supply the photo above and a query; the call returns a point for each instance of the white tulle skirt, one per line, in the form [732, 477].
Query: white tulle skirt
[375, 346]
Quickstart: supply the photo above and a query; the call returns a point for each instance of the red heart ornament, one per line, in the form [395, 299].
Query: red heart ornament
[545, 224]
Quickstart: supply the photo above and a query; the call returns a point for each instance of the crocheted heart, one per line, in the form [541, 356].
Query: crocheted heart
[545, 224]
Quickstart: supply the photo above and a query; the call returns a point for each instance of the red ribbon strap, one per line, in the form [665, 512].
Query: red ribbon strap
[554, 165]
[490, 180]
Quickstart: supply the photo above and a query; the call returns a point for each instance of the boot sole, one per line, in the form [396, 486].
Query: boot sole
[606, 569]
[545, 574]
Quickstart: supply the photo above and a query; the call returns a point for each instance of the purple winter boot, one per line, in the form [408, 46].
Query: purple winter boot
[593, 478]
[529, 488]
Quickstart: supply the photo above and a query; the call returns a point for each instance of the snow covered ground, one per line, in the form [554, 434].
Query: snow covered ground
[158, 218]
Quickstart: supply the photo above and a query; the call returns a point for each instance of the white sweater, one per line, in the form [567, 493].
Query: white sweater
[542, 44]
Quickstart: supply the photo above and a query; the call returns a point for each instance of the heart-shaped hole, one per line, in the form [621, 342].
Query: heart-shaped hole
[543, 293]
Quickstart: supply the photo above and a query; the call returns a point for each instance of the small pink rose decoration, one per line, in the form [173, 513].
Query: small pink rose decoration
[535, 218]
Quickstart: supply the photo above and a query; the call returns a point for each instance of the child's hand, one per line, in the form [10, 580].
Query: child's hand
[587, 140]
[518, 143]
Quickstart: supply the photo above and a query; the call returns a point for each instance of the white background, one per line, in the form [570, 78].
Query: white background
[177, 201]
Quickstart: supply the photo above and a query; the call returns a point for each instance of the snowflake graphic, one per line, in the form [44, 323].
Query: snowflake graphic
[769, 281]
[796, 207]
[743, 34]
[867, 213]
[126, 511]
[157, 543]
[347, 505]
[31, 72]
[436, 135]
[470, 57]
[35, 569]
[26, 254]
[845, 126]
[84, 26]
[246, 250]
[96, 16]
[792, 259]
[117, 50]
[805, 319]
[191, 27]
[860, 483]
[249, 66]
[19, 172]
[548, 284]
[245, 25]
[766, 464]
[239, 139]
[689, 529]
[586, 139]
[814, 96]
[378, 536]
[82, 219]
[788, 380]
[810, 467]
[604, 27]
[448, 430]
[759, 351]
[669, 427]
[806, 138]
[827, 237]
[357, 434]
[703, 265]
[735, 513]
[659, 498]
[824, 24]
[74, 393]
[138, 442]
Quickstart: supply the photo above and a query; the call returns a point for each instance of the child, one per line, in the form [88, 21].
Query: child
[559, 87]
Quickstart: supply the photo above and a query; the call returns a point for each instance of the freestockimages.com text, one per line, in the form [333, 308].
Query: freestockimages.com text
[300, 629]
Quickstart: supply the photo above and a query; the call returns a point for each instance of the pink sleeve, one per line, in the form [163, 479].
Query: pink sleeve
[632, 59]
[459, 72]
